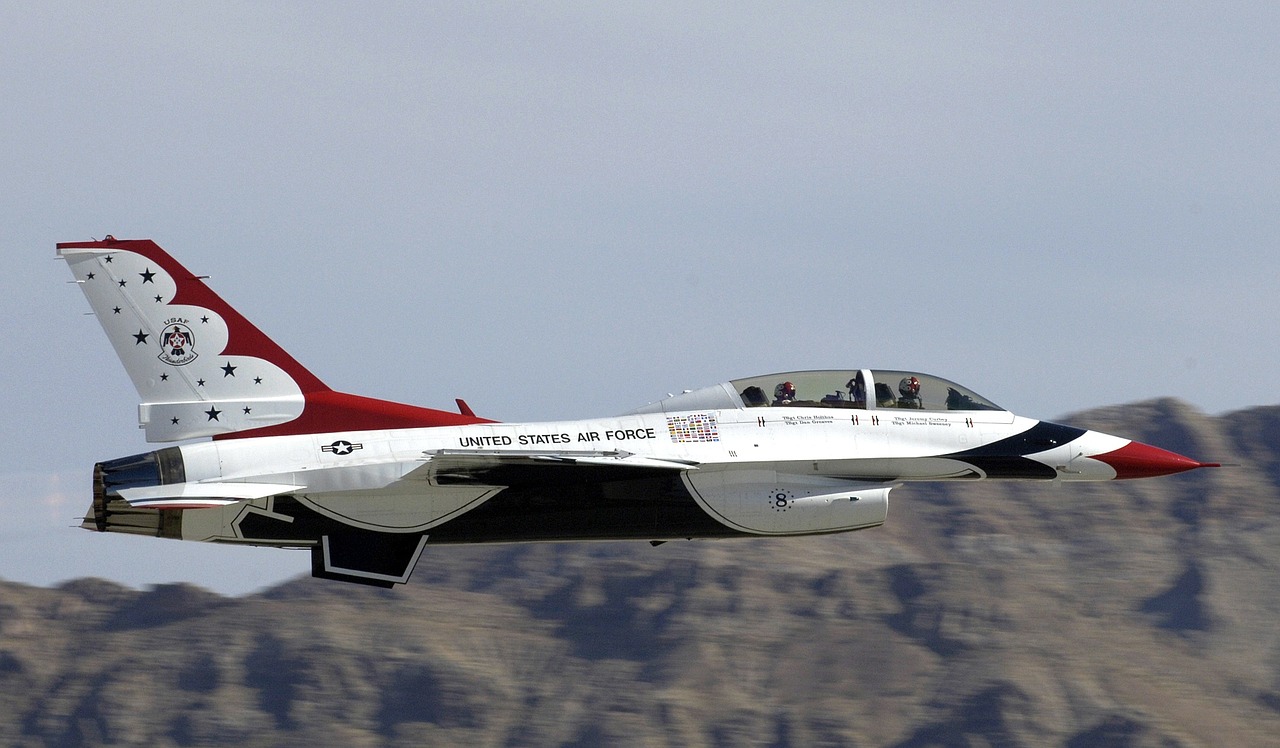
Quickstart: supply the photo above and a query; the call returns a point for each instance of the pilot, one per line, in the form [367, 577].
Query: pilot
[784, 394]
[857, 390]
[909, 391]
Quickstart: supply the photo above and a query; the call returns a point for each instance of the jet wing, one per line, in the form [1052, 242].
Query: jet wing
[497, 467]
[201, 495]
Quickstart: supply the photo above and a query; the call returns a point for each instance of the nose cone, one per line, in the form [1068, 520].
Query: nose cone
[1138, 460]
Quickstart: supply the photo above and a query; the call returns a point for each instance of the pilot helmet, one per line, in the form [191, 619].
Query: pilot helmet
[784, 391]
[909, 387]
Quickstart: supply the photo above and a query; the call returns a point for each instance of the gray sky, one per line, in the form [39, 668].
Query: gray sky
[561, 211]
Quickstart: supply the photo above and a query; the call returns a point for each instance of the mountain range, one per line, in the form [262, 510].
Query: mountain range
[1130, 613]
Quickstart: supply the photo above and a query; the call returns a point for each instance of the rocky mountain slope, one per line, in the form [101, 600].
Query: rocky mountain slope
[1138, 613]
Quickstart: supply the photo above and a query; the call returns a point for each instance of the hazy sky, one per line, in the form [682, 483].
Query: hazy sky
[567, 210]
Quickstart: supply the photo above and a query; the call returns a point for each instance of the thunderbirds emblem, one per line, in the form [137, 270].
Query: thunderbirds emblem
[177, 343]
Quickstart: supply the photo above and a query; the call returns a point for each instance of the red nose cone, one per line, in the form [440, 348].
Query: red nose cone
[1138, 460]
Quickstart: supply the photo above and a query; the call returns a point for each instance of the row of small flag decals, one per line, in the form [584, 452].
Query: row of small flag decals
[700, 427]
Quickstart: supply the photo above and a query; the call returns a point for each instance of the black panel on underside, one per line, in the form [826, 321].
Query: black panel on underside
[1006, 458]
[1013, 468]
[649, 508]
[645, 508]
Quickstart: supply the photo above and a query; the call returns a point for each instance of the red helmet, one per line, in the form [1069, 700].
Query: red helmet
[909, 387]
[785, 391]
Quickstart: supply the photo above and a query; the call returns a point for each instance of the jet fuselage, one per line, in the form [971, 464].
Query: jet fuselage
[367, 484]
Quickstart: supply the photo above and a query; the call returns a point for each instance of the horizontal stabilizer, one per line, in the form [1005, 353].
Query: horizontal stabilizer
[201, 495]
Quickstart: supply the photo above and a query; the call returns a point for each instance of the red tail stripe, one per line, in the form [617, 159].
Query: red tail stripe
[325, 410]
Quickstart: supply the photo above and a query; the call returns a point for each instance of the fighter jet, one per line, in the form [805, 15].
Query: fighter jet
[271, 456]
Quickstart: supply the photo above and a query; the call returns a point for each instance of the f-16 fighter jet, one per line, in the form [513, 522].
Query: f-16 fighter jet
[271, 456]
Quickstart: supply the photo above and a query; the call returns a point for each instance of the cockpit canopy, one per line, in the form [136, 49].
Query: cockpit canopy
[861, 388]
[836, 388]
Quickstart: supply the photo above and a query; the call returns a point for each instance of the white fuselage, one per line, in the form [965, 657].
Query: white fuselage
[792, 471]
[803, 441]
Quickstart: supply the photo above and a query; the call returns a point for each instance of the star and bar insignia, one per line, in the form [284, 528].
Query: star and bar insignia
[341, 447]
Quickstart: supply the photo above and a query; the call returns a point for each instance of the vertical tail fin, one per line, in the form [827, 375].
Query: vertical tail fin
[202, 369]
